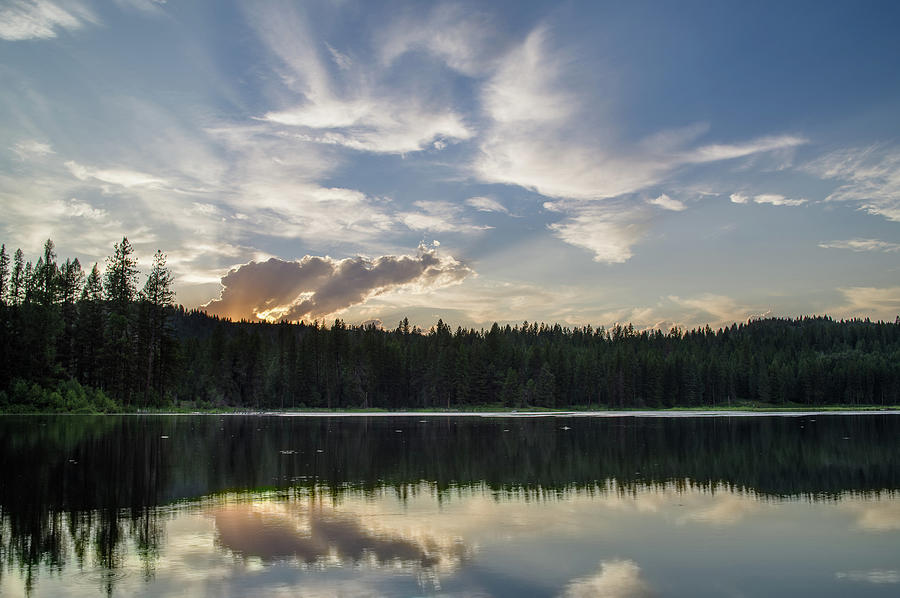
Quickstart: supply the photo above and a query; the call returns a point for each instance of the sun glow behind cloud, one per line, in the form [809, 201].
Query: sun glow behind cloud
[316, 287]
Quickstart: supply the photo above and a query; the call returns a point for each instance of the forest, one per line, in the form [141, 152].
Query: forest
[73, 340]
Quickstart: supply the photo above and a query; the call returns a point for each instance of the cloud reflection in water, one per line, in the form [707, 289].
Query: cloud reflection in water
[317, 535]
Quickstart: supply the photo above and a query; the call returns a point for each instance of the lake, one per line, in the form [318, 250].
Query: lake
[234, 505]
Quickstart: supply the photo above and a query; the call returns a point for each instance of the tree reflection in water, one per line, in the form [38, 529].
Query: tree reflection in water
[87, 492]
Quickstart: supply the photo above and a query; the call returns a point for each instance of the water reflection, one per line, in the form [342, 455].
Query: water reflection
[319, 535]
[258, 506]
[619, 578]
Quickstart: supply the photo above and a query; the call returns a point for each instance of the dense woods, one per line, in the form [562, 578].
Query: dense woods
[72, 340]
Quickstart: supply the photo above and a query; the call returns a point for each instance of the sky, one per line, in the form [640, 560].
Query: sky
[579, 163]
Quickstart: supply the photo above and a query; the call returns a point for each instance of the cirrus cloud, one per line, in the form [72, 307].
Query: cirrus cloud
[41, 19]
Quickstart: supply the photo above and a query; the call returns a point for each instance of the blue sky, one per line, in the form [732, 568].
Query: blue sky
[584, 163]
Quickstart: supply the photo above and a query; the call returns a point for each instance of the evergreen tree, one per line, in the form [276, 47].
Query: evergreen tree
[89, 329]
[120, 277]
[17, 279]
[4, 276]
[158, 299]
[29, 281]
[120, 288]
[71, 279]
[47, 275]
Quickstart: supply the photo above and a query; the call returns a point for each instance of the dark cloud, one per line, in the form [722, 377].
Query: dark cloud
[315, 287]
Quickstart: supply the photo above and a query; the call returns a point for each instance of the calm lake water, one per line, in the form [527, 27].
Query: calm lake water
[450, 506]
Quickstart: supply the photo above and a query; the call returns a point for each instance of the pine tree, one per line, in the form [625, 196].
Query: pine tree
[89, 329]
[71, 279]
[120, 288]
[47, 275]
[157, 297]
[120, 277]
[4, 276]
[28, 281]
[17, 279]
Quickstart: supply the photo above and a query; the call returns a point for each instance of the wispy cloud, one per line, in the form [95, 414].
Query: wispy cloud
[537, 137]
[465, 40]
[881, 303]
[874, 576]
[868, 176]
[350, 107]
[723, 151]
[862, 245]
[486, 204]
[439, 216]
[151, 7]
[608, 230]
[315, 287]
[115, 176]
[715, 310]
[342, 61]
[27, 150]
[778, 200]
[774, 199]
[42, 19]
[667, 203]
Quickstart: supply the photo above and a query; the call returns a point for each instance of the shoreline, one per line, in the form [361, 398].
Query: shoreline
[644, 413]
[533, 414]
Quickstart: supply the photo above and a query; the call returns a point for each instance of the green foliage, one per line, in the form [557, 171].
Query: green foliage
[68, 396]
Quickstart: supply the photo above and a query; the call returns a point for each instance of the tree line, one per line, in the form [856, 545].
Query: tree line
[77, 341]
[97, 342]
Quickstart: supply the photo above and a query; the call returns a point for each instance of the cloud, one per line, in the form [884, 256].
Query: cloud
[272, 187]
[877, 303]
[81, 209]
[476, 302]
[862, 245]
[543, 136]
[875, 576]
[342, 61]
[153, 7]
[27, 150]
[486, 204]
[868, 176]
[607, 230]
[465, 40]
[373, 125]
[352, 107]
[667, 203]
[723, 151]
[615, 579]
[525, 89]
[715, 310]
[778, 200]
[119, 177]
[773, 199]
[315, 287]
[41, 19]
[439, 216]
